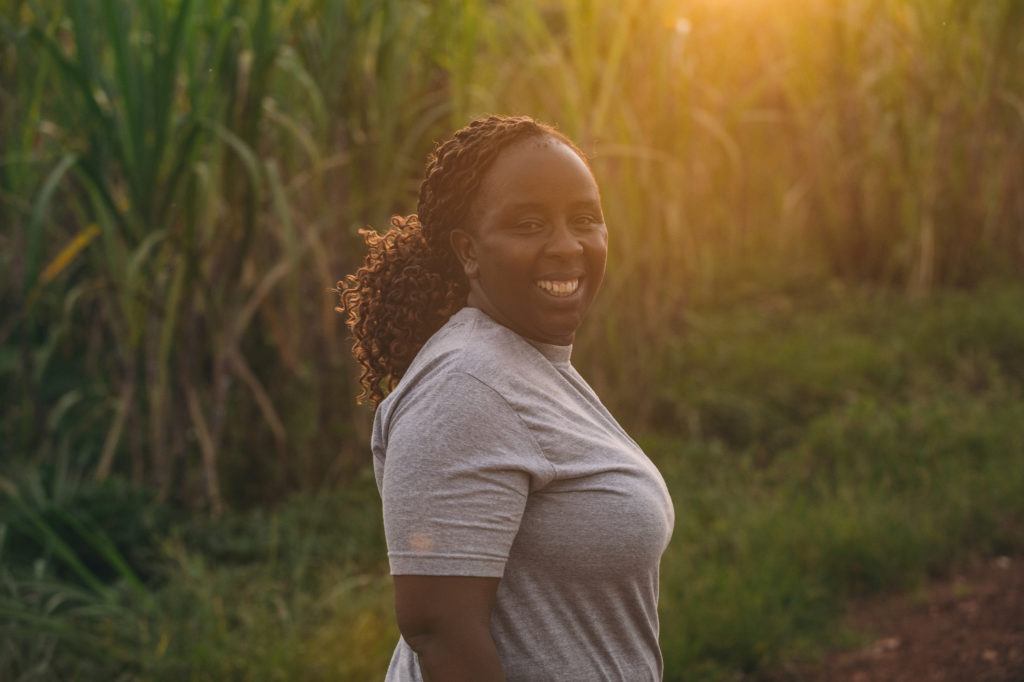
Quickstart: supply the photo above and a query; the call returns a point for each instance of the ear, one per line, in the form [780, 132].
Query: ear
[464, 247]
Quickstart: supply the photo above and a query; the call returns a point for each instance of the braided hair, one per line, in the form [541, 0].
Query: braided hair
[411, 282]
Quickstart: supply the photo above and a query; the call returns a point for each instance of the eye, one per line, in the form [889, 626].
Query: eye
[529, 225]
[588, 219]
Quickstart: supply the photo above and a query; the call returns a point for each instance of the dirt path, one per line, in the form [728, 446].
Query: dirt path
[966, 629]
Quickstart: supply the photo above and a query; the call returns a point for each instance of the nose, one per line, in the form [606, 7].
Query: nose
[563, 243]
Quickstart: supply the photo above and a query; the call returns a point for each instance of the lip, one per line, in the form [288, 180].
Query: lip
[561, 276]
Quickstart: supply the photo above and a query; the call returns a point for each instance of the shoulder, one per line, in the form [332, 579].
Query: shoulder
[471, 364]
[472, 344]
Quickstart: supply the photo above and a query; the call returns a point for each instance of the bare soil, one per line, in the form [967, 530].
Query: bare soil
[968, 628]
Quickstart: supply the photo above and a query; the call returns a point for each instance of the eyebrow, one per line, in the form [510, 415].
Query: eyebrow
[537, 206]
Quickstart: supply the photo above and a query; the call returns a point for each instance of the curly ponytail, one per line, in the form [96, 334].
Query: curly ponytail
[411, 281]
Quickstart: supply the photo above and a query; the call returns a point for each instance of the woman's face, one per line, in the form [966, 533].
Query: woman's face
[536, 244]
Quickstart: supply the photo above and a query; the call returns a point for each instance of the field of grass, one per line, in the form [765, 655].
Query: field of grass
[822, 448]
[181, 183]
[811, 317]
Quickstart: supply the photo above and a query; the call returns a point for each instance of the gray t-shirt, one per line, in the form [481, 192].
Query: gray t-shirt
[494, 457]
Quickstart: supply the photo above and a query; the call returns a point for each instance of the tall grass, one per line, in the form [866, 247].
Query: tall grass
[742, 145]
[193, 189]
[182, 182]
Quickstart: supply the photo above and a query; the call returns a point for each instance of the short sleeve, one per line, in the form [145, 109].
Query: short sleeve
[457, 470]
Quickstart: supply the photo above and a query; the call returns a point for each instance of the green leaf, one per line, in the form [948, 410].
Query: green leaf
[37, 221]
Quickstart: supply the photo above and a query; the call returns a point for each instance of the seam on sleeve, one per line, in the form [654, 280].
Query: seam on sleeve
[433, 564]
[533, 438]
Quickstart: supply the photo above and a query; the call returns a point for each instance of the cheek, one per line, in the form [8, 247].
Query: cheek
[597, 250]
[504, 268]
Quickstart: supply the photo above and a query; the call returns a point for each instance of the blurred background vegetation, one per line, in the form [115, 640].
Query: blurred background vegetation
[812, 316]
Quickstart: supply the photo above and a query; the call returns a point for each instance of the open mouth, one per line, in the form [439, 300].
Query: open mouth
[559, 288]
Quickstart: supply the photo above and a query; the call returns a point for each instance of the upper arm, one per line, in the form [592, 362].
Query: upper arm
[427, 605]
[455, 482]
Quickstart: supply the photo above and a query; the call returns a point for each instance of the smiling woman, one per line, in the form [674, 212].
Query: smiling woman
[535, 246]
[524, 527]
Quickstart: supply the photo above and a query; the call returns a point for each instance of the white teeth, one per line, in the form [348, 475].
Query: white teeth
[557, 288]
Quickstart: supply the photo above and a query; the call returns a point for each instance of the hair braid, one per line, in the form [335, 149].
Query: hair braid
[411, 282]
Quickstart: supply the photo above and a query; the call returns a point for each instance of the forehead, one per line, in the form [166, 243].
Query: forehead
[537, 170]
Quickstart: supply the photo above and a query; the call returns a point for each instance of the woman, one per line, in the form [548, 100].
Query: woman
[524, 526]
